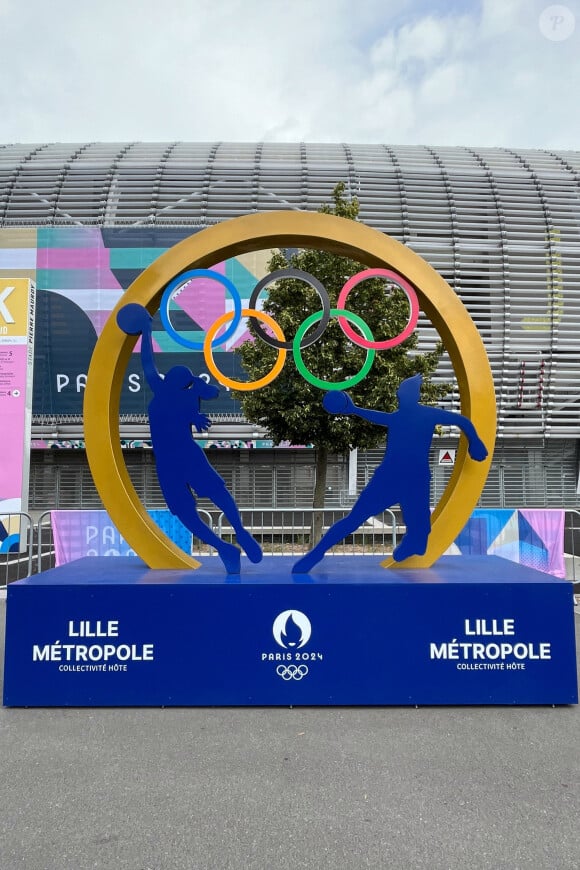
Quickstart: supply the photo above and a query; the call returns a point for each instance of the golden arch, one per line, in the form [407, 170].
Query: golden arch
[260, 232]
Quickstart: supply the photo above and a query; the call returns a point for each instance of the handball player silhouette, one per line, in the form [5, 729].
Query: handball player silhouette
[182, 467]
[403, 477]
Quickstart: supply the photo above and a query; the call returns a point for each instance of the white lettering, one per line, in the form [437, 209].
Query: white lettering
[109, 535]
[84, 628]
[490, 628]
[438, 652]
[81, 382]
[70, 652]
[455, 651]
[134, 383]
[3, 308]
[62, 381]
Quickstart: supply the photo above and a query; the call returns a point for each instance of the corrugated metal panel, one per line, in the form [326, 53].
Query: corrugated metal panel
[502, 226]
[525, 474]
[256, 478]
[522, 475]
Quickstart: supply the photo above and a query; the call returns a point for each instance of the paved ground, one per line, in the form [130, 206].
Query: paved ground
[254, 789]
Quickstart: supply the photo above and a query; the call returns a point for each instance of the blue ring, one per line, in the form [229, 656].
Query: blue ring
[182, 279]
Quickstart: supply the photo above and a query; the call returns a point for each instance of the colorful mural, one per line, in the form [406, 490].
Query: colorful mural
[16, 366]
[80, 274]
[145, 443]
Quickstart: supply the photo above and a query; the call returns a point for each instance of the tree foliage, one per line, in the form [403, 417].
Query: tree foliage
[290, 409]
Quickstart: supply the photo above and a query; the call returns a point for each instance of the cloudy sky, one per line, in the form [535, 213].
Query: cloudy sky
[438, 72]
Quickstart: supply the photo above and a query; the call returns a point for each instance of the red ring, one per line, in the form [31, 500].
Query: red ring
[395, 279]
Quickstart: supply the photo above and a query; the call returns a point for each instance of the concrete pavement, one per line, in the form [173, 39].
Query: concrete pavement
[255, 788]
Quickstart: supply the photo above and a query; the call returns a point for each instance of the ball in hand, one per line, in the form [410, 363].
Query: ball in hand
[336, 402]
[133, 319]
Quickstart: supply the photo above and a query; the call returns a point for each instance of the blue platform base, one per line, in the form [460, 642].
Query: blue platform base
[111, 632]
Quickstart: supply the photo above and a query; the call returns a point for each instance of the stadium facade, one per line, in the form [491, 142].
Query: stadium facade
[502, 226]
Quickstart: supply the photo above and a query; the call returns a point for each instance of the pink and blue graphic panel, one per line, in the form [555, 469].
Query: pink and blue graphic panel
[534, 538]
[82, 533]
[16, 343]
[82, 273]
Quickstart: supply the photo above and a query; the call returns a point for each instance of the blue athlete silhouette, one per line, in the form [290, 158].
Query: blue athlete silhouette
[182, 467]
[403, 477]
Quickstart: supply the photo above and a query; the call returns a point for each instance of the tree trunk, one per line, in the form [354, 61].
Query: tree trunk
[319, 494]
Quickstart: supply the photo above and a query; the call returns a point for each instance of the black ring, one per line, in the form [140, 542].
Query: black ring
[301, 276]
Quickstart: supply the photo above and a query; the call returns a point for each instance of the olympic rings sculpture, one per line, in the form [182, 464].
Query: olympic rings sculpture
[177, 285]
[301, 340]
[263, 232]
[292, 672]
[243, 385]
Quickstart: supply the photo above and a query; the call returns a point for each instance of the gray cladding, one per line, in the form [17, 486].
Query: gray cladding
[501, 225]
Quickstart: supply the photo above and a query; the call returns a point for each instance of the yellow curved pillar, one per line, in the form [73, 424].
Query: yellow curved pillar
[292, 229]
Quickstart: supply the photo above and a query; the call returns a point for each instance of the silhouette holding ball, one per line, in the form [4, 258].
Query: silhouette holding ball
[182, 467]
[337, 402]
[403, 477]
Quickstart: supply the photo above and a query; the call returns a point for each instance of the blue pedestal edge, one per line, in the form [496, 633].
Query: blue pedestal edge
[468, 631]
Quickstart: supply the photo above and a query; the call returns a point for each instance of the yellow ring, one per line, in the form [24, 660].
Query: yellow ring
[291, 229]
[244, 385]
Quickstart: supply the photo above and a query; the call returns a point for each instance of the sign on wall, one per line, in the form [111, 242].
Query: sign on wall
[16, 366]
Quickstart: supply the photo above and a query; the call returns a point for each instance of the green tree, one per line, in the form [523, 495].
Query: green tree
[290, 408]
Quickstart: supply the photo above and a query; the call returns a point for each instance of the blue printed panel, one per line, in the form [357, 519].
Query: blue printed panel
[532, 537]
[467, 631]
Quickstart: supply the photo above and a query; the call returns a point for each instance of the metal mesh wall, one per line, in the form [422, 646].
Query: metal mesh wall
[256, 478]
[530, 475]
[502, 226]
[521, 475]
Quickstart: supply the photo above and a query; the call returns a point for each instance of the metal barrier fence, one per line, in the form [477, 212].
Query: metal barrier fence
[288, 531]
[572, 547]
[44, 543]
[16, 547]
[280, 531]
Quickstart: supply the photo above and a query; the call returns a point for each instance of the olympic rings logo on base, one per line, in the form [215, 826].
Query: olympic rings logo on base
[292, 672]
[301, 341]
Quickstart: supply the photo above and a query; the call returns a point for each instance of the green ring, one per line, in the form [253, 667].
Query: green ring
[326, 385]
